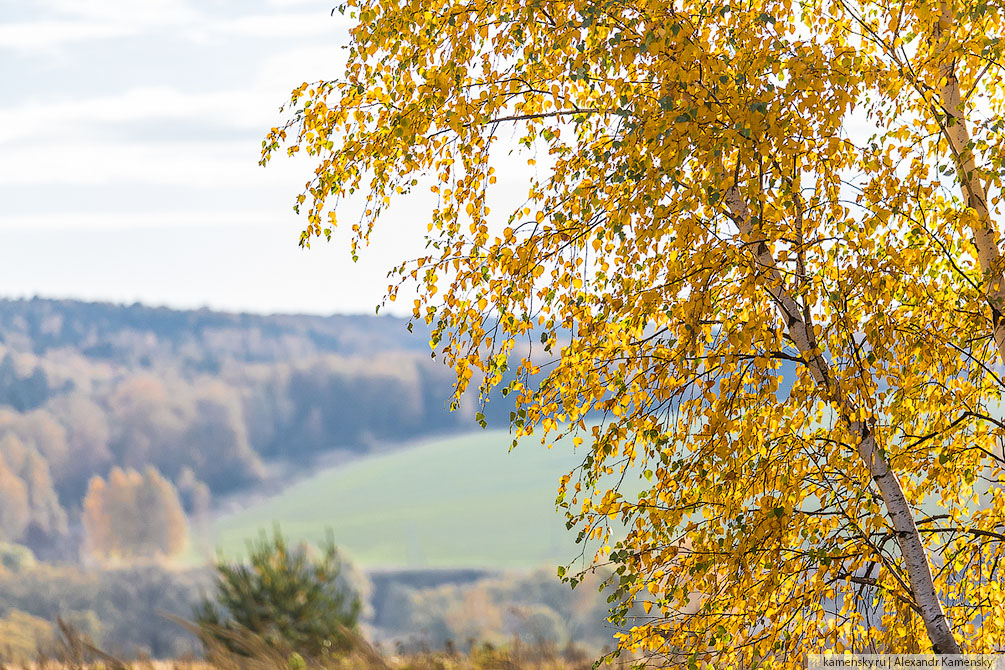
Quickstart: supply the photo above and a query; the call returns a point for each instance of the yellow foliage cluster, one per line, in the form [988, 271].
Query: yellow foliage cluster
[765, 250]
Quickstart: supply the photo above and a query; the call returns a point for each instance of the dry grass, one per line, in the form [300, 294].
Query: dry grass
[73, 651]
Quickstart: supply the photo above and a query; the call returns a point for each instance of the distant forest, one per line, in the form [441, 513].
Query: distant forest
[121, 425]
[96, 399]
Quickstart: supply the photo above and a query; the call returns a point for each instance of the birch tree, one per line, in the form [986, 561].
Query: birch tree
[763, 245]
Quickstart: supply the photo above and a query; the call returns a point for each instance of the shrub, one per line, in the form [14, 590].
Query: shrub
[294, 599]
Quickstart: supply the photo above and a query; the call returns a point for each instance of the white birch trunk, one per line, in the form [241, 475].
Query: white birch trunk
[954, 128]
[917, 564]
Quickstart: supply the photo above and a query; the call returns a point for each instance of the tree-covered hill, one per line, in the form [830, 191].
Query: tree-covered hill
[120, 426]
[139, 334]
[92, 394]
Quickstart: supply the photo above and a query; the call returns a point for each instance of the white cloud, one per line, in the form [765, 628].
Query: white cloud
[300, 3]
[278, 25]
[236, 109]
[118, 220]
[198, 164]
[286, 69]
[147, 12]
[72, 22]
[252, 107]
[106, 138]
[41, 35]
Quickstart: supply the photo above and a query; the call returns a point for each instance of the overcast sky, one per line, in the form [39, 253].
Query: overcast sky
[130, 133]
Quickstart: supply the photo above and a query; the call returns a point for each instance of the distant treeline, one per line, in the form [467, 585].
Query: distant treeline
[120, 608]
[415, 610]
[204, 399]
[141, 335]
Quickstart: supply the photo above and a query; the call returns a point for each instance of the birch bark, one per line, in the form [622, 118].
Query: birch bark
[954, 129]
[800, 330]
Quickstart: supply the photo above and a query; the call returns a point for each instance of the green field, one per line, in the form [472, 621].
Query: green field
[462, 501]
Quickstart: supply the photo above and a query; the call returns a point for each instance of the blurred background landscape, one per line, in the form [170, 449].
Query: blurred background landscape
[137, 443]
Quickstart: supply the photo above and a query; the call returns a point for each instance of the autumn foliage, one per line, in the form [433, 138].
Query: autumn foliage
[762, 242]
[133, 515]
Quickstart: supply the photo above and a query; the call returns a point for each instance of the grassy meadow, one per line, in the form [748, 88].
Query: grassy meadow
[461, 501]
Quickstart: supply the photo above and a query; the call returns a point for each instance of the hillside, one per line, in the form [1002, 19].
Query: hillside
[139, 334]
[217, 404]
[462, 501]
[126, 429]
